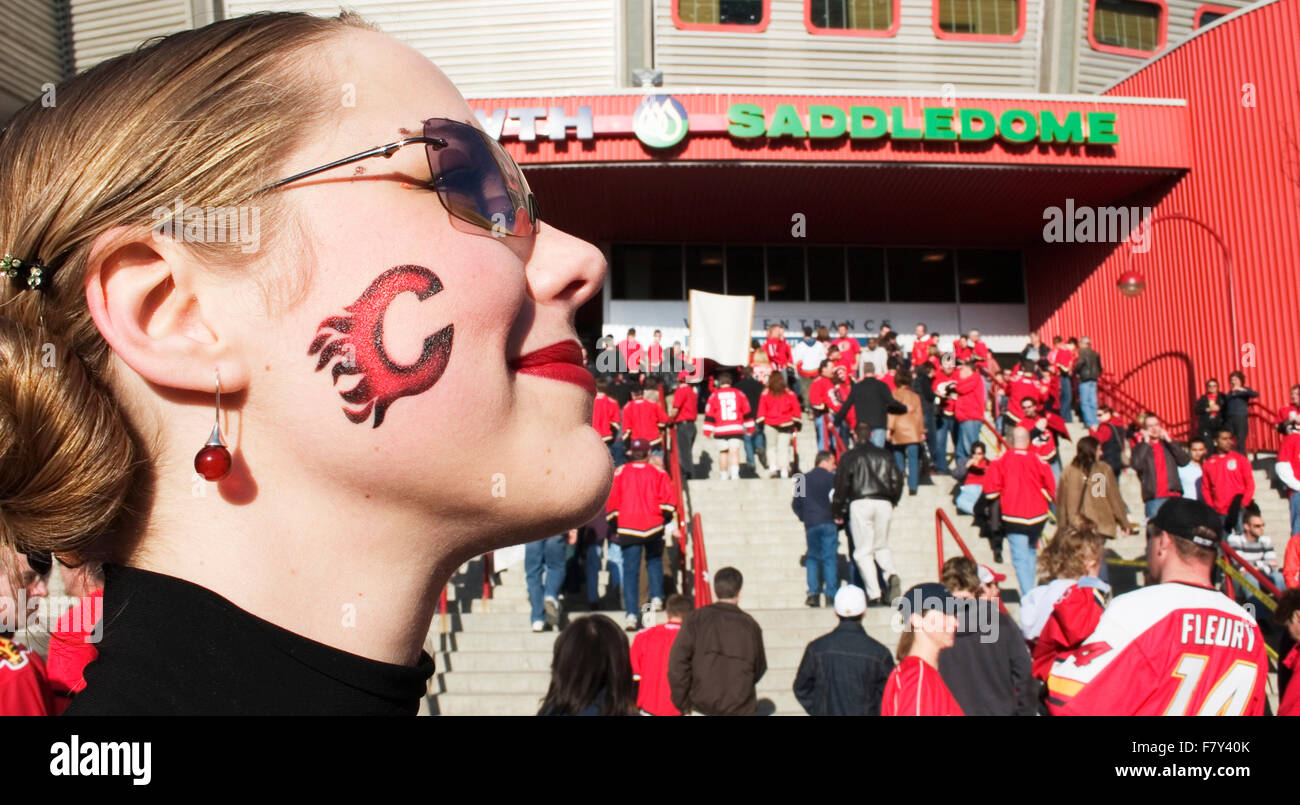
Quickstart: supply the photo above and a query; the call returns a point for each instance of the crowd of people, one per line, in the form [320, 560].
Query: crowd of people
[888, 418]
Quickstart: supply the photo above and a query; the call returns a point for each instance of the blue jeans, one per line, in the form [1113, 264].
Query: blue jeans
[617, 451]
[940, 436]
[654, 571]
[968, 433]
[1088, 402]
[1295, 513]
[1024, 553]
[614, 561]
[820, 425]
[909, 454]
[1067, 399]
[753, 442]
[823, 547]
[878, 436]
[1153, 505]
[544, 555]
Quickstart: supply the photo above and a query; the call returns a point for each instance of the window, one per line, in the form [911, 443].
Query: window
[1208, 13]
[1128, 27]
[745, 271]
[826, 274]
[652, 271]
[704, 269]
[990, 276]
[724, 15]
[980, 20]
[785, 274]
[920, 275]
[866, 274]
[851, 17]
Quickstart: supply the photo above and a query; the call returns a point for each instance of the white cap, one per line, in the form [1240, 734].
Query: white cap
[850, 601]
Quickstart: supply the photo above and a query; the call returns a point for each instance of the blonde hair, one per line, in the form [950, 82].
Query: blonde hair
[206, 116]
[1068, 554]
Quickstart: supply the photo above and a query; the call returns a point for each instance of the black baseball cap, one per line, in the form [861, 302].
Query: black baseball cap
[1189, 519]
[929, 595]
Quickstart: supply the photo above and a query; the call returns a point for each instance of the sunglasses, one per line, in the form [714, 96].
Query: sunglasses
[476, 179]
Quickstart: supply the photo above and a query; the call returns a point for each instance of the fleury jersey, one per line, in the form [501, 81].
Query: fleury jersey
[915, 688]
[642, 420]
[24, 685]
[638, 501]
[727, 414]
[605, 416]
[1168, 649]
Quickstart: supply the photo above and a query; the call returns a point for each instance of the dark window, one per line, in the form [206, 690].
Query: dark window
[990, 276]
[1128, 24]
[704, 269]
[981, 17]
[720, 12]
[866, 274]
[920, 275]
[650, 271]
[1207, 17]
[826, 274]
[745, 271]
[785, 274]
[857, 15]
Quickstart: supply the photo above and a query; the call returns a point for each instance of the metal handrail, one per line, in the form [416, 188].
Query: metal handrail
[941, 519]
[703, 593]
[1264, 581]
[675, 467]
[832, 436]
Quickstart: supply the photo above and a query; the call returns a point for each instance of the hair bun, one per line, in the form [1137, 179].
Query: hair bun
[66, 455]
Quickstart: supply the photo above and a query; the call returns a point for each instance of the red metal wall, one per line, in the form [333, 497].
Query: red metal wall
[1245, 183]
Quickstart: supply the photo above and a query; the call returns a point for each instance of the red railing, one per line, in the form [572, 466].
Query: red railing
[940, 521]
[1002, 443]
[1265, 583]
[703, 594]
[832, 436]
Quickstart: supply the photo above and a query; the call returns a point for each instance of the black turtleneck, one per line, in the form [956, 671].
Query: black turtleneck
[171, 647]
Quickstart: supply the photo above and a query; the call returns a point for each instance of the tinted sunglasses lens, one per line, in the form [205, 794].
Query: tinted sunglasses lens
[478, 181]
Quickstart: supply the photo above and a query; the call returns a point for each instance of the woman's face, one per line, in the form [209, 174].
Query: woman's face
[434, 317]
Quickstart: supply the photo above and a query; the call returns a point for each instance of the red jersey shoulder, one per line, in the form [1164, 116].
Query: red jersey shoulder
[13, 655]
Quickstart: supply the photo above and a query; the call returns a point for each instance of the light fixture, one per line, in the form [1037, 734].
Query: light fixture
[1131, 283]
[934, 257]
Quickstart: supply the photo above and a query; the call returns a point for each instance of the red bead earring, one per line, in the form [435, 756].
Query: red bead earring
[213, 461]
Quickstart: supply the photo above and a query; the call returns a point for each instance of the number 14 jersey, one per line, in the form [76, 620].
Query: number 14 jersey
[1167, 649]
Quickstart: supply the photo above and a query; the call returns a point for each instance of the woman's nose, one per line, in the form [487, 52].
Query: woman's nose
[564, 269]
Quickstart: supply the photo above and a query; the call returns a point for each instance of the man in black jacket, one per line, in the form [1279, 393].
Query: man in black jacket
[1156, 460]
[868, 485]
[988, 669]
[871, 401]
[756, 442]
[843, 673]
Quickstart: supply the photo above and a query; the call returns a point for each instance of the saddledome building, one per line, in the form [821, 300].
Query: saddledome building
[990, 164]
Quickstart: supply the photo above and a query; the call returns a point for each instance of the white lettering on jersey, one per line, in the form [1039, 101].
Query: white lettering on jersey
[727, 406]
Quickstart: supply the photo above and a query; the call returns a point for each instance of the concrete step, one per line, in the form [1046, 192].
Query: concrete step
[471, 662]
[527, 704]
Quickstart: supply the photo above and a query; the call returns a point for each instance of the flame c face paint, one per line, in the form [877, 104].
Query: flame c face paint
[357, 341]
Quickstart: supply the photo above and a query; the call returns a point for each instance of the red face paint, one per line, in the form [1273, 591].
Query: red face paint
[362, 335]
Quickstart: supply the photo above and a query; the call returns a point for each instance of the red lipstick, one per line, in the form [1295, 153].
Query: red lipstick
[559, 361]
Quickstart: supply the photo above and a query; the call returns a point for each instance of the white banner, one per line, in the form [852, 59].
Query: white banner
[720, 327]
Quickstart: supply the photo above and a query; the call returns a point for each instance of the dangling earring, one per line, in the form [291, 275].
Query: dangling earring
[213, 461]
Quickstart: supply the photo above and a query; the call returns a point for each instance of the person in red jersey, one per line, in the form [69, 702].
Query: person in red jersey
[640, 503]
[643, 419]
[1174, 647]
[819, 399]
[650, 651]
[1021, 385]
[683, 410]
[1226, 476]
[1289, 414]
[779, 413]
[605, 416]
[1287, 615]
[1063, 610]
[1023, 487]
[914, 687]
[778, 349]
[1287, 469]
[969, 408]
[24, 681]
[727, 418]
[1291, 562]
[944, 384]
[848, 346]
[1045, 430]
[75, 633]
[655, 354]
[1110, 435]
[1062, 360]
[631, 352]
[921, 345]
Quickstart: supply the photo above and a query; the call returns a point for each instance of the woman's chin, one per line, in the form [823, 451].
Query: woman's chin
[566, 488]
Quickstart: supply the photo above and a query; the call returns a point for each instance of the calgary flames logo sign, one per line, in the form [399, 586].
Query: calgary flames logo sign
[356, 344]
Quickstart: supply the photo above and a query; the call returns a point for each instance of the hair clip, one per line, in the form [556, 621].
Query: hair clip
[37, 276]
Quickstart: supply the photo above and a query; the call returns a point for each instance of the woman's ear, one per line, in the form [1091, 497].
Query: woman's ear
[146, 295]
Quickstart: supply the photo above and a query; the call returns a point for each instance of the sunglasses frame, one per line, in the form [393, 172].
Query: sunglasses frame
[434, 144]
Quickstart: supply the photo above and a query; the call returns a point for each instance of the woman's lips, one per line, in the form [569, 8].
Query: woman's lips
[559, 361]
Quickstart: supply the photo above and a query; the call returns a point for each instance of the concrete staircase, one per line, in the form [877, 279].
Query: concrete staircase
[490, 663]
